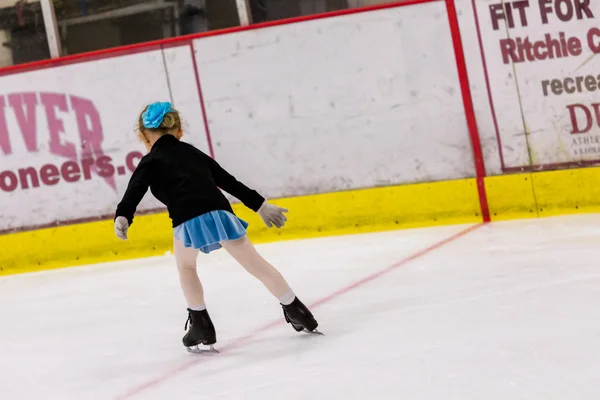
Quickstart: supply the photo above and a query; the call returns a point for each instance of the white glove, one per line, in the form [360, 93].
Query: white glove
[121, 227]
[272, 215]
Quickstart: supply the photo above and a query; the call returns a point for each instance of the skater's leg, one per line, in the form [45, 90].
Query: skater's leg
[202, 330]
[295, 311]
[244, 253]
[188, 276]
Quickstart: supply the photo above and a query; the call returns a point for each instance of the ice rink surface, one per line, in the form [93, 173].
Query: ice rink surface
[503, 311]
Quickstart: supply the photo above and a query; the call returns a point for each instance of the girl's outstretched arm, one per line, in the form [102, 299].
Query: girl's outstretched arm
[272, 215]
[136, 189]
[250, 198]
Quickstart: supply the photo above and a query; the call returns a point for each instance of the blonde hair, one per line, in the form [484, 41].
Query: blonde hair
[170, 123]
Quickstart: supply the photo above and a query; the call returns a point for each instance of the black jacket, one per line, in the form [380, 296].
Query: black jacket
[184, 179]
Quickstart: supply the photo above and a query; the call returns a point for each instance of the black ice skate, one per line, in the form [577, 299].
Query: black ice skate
[300, 317]
[202, 331]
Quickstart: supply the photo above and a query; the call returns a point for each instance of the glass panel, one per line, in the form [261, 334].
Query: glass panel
[22, 33]
[88, 25]
[366, 3]
[271, 10]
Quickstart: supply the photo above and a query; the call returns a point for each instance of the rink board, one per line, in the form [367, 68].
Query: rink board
[544, 194]
[290, 110]
[261, 114]
[516, 196]
[348, 212]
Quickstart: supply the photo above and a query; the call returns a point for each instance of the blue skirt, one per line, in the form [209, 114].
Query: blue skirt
[207, 230]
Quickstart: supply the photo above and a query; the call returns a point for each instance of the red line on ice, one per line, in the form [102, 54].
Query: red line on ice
[244, 339]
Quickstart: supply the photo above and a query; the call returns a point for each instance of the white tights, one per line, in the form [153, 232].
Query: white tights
[243, 252]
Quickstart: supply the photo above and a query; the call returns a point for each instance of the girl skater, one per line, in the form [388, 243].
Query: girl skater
[187, 181]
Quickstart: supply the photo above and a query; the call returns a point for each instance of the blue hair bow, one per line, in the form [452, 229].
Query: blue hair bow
[155, 113]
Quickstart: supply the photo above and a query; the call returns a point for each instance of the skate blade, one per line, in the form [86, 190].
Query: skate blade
[315, 332]
[199, 350]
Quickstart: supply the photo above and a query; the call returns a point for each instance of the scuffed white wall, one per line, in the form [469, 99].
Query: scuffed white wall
[369, 99]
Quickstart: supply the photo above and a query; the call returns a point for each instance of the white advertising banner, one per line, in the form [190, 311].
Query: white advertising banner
[68, 142]
[542, 69]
